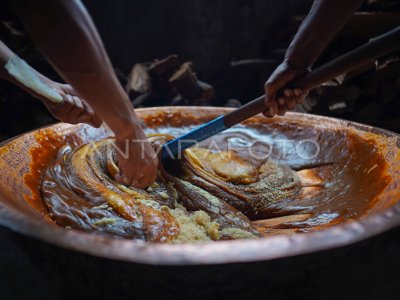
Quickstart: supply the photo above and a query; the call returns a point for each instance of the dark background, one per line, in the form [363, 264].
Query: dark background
[234, 45]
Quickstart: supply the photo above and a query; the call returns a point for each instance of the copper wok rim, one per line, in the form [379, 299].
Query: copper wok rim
[222, 252]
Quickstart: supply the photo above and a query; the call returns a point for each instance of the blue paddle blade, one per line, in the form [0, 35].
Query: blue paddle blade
[174, 148]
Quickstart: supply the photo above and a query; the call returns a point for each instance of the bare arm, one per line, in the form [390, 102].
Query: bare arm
[325, 19]
[5, 55]
[67, 106]
[65, 33]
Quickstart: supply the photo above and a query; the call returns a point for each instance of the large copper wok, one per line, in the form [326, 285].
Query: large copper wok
[20, 214]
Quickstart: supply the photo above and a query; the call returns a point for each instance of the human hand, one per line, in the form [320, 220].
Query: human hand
[73, 109]
[279, 104]
[137, 161]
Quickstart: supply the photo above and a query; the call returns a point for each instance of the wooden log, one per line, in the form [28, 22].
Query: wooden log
[165, 65]
[185, 83]
[139, 80]
[161, 71]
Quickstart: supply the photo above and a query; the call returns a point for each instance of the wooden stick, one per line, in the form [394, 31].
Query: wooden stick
[271, 232]
[379, 46]
[281, 220]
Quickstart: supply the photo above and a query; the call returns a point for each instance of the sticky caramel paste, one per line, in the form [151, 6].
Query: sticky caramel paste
[255, 180]
[42, 155]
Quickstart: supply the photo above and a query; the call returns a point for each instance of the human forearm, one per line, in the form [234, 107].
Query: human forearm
[64, 32]
[18, 72]
[323, 22]
[325, 19]
[5, 55]
[110, 103]
[66, 35]
[60, 99]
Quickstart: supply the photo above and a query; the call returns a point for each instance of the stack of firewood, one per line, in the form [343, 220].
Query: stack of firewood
[167, 82]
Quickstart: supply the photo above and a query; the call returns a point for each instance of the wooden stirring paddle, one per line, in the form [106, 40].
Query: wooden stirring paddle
[375, 48]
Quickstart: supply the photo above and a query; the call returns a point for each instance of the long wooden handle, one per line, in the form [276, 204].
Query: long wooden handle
[379, 46]
[375, 48]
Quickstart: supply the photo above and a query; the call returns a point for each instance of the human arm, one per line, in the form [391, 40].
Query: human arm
[322, 23]
[66, 35]
[66, 106]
